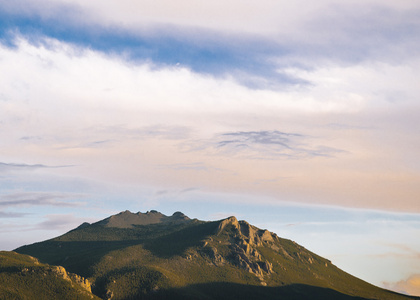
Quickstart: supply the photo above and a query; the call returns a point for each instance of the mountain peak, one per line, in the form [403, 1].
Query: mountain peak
[223, 223]
[178, 216]
[127, 219]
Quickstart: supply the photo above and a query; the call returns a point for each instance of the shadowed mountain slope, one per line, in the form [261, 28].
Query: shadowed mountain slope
[153, 256]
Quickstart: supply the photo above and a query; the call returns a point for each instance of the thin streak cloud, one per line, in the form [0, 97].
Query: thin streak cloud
[9, 215]
[59, 222]
[38, 199]
[272, 144]
[15, 166]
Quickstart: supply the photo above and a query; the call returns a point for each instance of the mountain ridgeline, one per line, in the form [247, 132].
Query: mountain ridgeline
[153, 256]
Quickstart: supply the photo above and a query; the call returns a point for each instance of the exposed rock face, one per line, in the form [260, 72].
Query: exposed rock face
[73, 278]
[253, 235]
[244, 242]
[83, 282]
[249, 233]
[213, 255]
[60, 271]
[229, 221]
[247, 257]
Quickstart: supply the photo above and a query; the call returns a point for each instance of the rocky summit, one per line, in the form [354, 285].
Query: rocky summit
[154, 256]
[127, 219]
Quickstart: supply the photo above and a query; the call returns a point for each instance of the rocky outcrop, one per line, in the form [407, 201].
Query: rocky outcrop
[244, 239]
[83, 282]
[73, 278]
[212, 254]
[61, 272]
[247, 257]
[253, 235]
[229, 221]
[249, 233]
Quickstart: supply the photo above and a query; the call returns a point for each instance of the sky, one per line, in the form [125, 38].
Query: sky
[301, 117]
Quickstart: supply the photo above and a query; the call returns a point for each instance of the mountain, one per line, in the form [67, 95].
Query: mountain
[153, 256]
[24, 277]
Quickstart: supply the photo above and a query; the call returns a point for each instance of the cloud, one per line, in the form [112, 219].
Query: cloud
[270, 145]
[405, 248]
[399, 249]
[203, 52]
[104, 112]
[17, 167]
[59, 222]
[256, 45]
[14, 166]
[6, 215]
[175, 193]
[153, 131]
[198, 166]
[38, 199]
[364, 31]
[266, 18]
[410, 286]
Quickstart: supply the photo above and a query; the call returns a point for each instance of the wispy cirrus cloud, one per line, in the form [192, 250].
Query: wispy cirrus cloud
[160, 193]
[38, 199]
[197, 166]
[60, 222]
[175, 132]
[48, 222]
[20, 167]
[271, 144]
[400, 249]
[194, 166]
[7, 215]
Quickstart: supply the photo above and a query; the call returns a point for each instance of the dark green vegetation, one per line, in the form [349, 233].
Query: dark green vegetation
[24, 277]
[152, 256]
